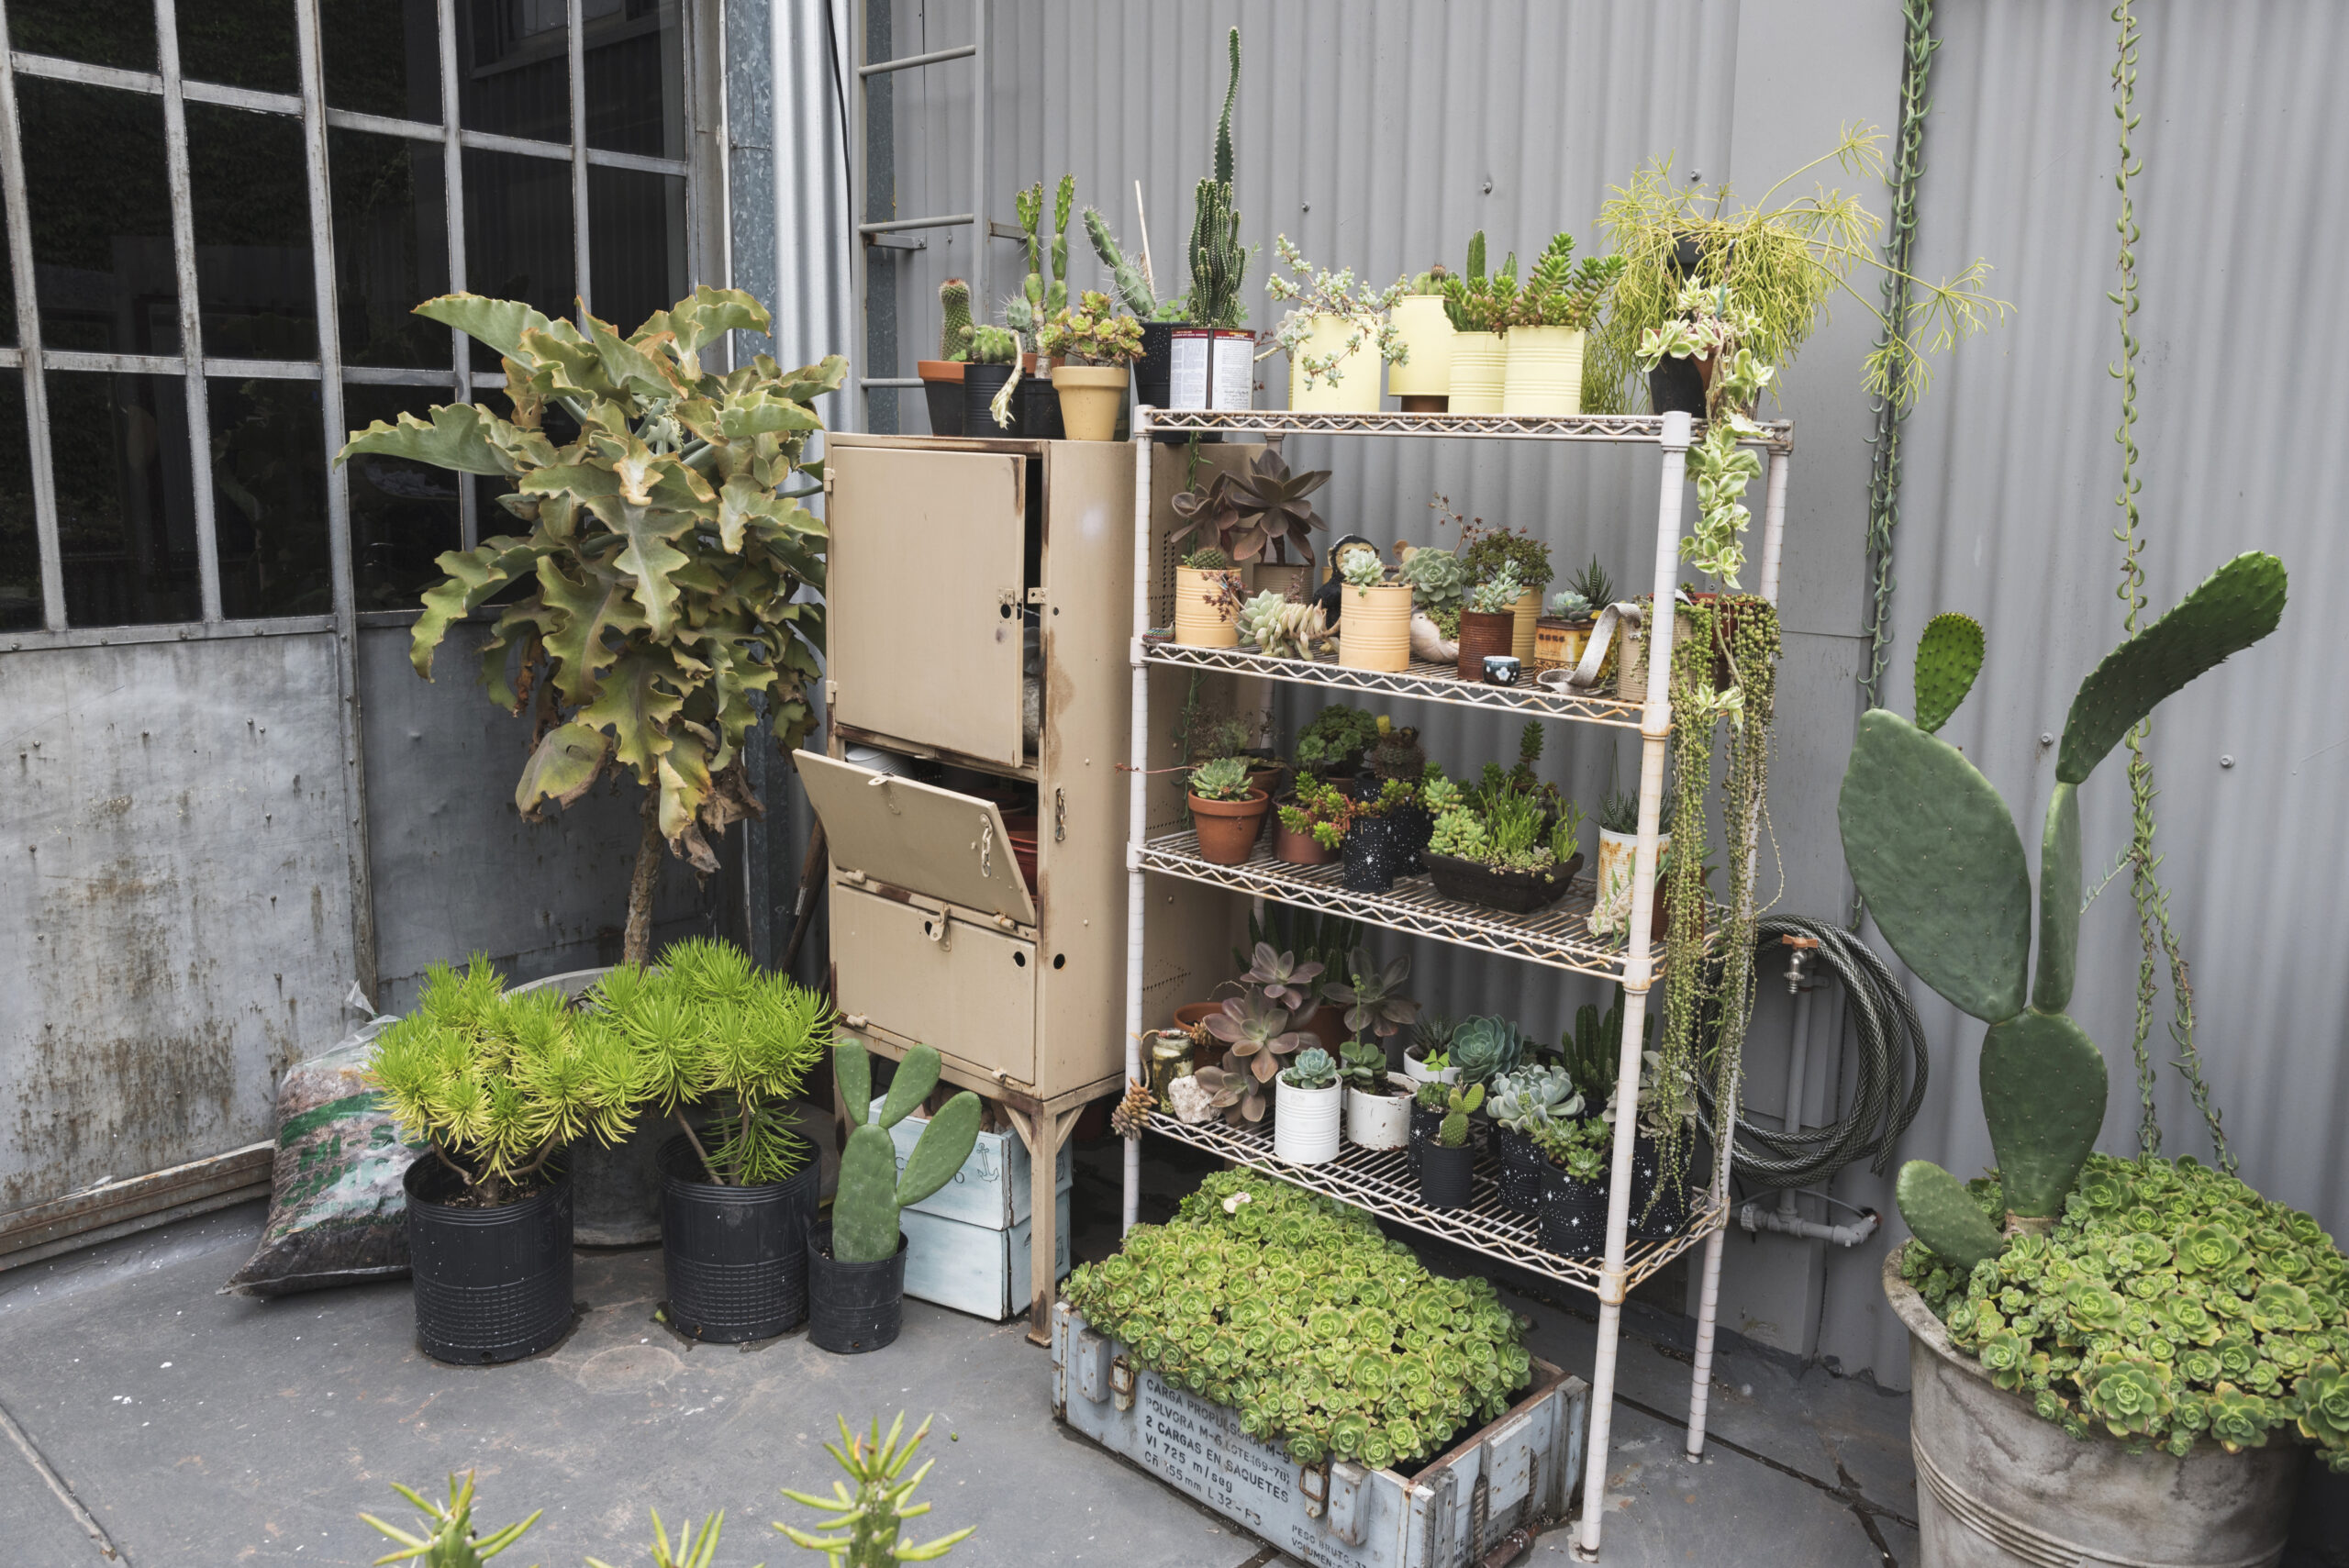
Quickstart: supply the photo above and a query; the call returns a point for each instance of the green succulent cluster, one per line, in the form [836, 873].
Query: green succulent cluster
[1498, 594]
[2171, 1302]
[1334, 743]
[1439, 581]
[1516, 832]
[1524, 1097]
[1580, 1146]
[1319, 1330]
[1485, 1046]
[1224, 778]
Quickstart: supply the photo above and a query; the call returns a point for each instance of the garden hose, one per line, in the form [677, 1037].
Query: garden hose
[1891, 1051]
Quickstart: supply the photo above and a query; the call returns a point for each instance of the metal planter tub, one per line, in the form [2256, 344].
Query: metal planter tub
[1518, 1475]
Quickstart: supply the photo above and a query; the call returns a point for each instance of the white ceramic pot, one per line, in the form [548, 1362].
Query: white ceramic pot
[1479, 365]
[1375, 627]
[1418, 1074]
[1199, 622]
[1305, 1122]
[1611, 887]
[1426, 333]
[1356, 389]
[1543, 377]
[1380, 1121]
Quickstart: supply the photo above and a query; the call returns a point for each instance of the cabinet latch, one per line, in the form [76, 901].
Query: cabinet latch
[1060, 816]
[1035, 595]
[1121, 1382]
[986, 846]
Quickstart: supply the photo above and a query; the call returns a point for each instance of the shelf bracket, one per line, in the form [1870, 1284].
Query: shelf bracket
[1613, 1286]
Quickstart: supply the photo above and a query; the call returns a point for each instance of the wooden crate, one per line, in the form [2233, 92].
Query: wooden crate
[974, 1269]
[992, 1190]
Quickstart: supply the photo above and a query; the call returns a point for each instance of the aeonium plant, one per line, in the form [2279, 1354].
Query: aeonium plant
[1092, 333]
[665, 580]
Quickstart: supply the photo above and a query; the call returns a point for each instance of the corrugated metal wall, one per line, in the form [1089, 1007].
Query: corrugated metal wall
[1379, 135]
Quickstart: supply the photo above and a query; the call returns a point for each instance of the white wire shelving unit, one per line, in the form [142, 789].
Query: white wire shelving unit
[1380, 1183]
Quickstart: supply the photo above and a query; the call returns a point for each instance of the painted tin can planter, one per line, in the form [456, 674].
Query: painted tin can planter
[1355, 391]
[1380, 1121]
[1544, 378]
[1519, 1180]
[1206, 614]
[1573, 1214]
[1479, 366]
[1518, 1474]
[1375, 627]
[1305, 1122]
[1447, 1173]
[1612, 889]
[1481, 634]
[1426, 330]
[1521, 637]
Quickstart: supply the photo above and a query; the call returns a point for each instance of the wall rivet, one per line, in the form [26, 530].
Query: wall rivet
[2226, 761]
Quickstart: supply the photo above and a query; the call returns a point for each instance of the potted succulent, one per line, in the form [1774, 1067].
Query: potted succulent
[1281, 627]
[1448, 1160]
[1514, 853]
[1373, 995]
[1332, 747]
[1311, 825]
[1228, 811]
[1207, 600]
[1485, 552]
[1479, 307]
[1564, 630]
[1483, 1047]
[1421, 380]
[1439, 594]
[1257, 1039]
[1523, 1099]
[1576, 1154]
[1331, 320]
[1209, 354]
[1379, 1102]
[1619, 842]
[1428, 1059]
[1378, 845]
[941, 378]
[2163, 1314]
[1273, 510]
[1489, 626]
[739, 1190]
[1307, 1103]
[856, 1265]
[1137, 289]
[1374, 624]
[1091, 346]
[865, 1520]
[495, 1085]
[1286, 981]
[1022, 401]
[1546, 329]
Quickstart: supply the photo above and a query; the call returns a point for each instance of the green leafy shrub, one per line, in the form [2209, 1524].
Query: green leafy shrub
[1316, 1329]
[2169, 1302]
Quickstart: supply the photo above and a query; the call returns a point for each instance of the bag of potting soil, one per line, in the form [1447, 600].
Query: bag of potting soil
[337, 1214]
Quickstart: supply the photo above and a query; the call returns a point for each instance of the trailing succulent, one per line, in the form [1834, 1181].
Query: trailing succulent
[2170, 1302]
[1320, 1332]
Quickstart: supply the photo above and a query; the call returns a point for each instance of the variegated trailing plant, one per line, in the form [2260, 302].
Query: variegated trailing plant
[667, 574]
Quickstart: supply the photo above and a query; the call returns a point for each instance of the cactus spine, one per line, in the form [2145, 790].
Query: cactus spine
[864, 1212]
[954, 324]
[1936, 855]
[1219, 261]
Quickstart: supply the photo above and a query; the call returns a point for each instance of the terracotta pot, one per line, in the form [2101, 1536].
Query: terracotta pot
[1227, 829]
[1375, 627]
[1190, 1016]
[1479, 363]
[1520, 635]
[1199, 621]
[1544, 378]
[1091, 397]
[1482, 634]
[1425, 372]
[1267, 777]
[1298, 848]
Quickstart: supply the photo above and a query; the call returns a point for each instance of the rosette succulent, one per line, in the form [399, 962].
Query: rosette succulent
[1525, 1096]
[1484, 1048]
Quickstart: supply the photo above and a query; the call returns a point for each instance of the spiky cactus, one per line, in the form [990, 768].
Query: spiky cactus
[865, 1522]
[1057, 295]
[1219, 261]
[954, 319]
[1132, 284]
[450, 1542]
[1453, 1132]
[1949, 655]
[1223, 125]
[864, 1212]
[1937, 855]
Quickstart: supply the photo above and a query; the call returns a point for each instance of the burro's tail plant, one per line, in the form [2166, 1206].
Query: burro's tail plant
[864, 1523]
[864, 1212]
[1937, 857]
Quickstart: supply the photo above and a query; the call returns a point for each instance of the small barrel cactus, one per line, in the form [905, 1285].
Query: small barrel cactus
[1208, 561]
[954, 323]
[864, 1212]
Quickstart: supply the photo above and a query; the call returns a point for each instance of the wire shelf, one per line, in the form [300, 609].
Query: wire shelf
[1425, 683]
[1380, 1181]
[1777, 435]
[1559, 935]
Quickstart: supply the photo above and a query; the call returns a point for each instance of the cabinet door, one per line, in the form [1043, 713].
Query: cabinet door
[968, 990]
[918, 836]
[924, 588]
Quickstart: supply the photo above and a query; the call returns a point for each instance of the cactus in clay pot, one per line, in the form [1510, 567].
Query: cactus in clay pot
[1937, 855]
[864, 1212]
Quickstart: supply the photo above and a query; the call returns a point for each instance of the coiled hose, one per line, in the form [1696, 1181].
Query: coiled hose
[1891, 1050]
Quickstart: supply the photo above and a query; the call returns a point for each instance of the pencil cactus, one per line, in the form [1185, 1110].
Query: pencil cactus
[1949, 655]
[872, 1191]
[865, 1522]
[1937, 855]
[451, 1542]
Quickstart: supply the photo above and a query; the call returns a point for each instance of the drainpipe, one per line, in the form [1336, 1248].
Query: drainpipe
[1753, 1217]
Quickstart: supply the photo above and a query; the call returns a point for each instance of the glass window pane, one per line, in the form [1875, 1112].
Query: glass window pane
[126, 517]
[383, 57]
[101, 218]
[513, 67]
[403, 514]
[254, 288]
[518, 234]
[269, 497]
[636, 77]
[243, 43]
[391, 247]
[20, 542]
[636, 243]
[103, 32]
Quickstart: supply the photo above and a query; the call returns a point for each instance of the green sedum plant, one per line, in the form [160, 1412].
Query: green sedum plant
[1321, 809]
[2170, 1302]
[1280, 627]
[1323, 1335]
[871, 1190]
[1581, 1147]
[1474, 302]
[1560, 292]
[866, 1523]
[1093, 333]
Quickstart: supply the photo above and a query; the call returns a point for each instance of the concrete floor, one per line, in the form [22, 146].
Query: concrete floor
[195, 1428]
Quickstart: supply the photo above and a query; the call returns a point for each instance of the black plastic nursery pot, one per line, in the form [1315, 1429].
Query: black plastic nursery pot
[491, 1284]
[1677, 386]
[1376, 854]
[1520, 1166]
[980, 383]
[1573, 1214]
[1040, 400]
[736, 1258]
[1446, 1174]
[854, 1307]
[946, 407]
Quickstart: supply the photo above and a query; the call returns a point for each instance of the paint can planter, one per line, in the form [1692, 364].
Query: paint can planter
[1228, 830]
[854, 1307]
[1483, 633]
[491, 1284]
[1544, 378]
[1519, 1473]
[1997, 1487]
[1573, 1218]
[1425, 372]
[1375, 627]
[1375, 855]
[1558, 644]
[735, 1258]
[1612, 887]
[1447, 1175]
[1380, 1121]
[941, 388]
[1480, 368]
[1305, 1122]
[1518, 1176]
[1663, 1220]
[1205, 617]
[1091, 397]
[1529, 613]
[1210, 367]
[1356, 389]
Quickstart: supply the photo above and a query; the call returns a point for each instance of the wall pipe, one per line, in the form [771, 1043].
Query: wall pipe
[1137, 800]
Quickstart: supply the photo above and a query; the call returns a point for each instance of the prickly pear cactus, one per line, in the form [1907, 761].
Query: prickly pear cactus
[1949, 655]
[864, 1210]
[1936, 855]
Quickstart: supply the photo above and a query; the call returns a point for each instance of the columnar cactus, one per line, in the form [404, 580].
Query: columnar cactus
[1219, 261]
[954, 319]
[864, 1212]
[1133, 286]
[1935, 853]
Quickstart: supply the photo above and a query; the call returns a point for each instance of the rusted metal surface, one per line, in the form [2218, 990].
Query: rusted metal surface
[28, 1235]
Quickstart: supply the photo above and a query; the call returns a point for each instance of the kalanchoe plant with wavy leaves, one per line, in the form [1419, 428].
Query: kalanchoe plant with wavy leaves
[661, 573]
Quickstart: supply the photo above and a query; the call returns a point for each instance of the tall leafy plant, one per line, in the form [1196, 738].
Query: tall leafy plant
[665, 577]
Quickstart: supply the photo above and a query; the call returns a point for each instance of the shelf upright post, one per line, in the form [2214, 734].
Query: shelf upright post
[1638, 970]
[1700, 1383]
[1137, 799]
